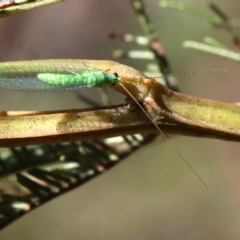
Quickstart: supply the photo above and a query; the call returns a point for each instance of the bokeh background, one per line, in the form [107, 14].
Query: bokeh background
[153, 194]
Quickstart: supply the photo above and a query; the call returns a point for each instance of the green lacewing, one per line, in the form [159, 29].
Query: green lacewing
[43, 78]
[86, 78]
[50, 75]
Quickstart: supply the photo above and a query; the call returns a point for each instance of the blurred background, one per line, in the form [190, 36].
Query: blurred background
[152, 194]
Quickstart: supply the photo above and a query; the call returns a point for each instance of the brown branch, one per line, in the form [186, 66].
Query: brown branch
[173, 112]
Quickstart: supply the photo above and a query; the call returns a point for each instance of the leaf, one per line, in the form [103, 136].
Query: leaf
[10, 7]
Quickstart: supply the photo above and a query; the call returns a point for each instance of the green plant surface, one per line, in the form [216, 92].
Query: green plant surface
[10, 7]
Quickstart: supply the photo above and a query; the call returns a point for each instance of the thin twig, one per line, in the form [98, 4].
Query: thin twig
[154, 43]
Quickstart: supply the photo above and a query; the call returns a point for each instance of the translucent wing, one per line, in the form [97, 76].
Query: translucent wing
[26, 81]
[23, 76]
